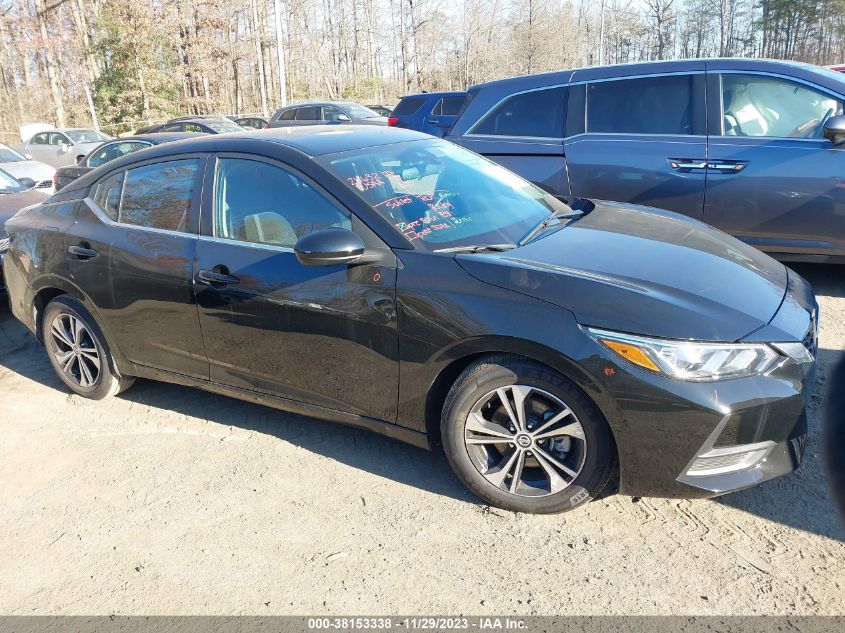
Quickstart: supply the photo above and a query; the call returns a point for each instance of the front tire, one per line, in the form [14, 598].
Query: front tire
[78, 350]
[524, 438]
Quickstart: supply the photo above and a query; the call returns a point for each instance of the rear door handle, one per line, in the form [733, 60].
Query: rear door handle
[82, 252]
[727, 167]
[214, 277]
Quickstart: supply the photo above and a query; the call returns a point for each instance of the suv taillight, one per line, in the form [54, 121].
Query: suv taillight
[392, 120]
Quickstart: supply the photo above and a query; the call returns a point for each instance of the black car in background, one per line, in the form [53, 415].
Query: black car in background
[386, 279]
[753, 147]
[382, 110]
[252, 122]
[111, 150]
[204, 124]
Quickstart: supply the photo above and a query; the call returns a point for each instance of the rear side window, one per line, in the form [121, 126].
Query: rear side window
[158, 196]
[539, 113]
[449, 106]
[107, 194]
[309, 113]
[645, 105]
[408, 106]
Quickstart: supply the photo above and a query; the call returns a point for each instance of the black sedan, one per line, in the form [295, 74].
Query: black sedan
[385, 279]
[111, 150]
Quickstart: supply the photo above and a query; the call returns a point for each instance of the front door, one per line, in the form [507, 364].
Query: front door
[642, 140]
[323, 335]
[773, 180]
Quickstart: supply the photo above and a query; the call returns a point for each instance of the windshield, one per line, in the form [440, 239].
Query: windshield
[439, 195]
[9, 184]
[8, 155]
[357, 111]
[224, 126]
[87, 136]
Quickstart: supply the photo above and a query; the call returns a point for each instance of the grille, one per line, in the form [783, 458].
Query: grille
[44, 184]
[4, 245]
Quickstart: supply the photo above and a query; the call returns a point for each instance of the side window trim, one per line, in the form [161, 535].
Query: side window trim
[507, 97]
[194, 211]
[717, 130]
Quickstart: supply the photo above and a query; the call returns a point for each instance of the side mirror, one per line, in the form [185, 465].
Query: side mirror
[834, 129]
[329, 247]
[64, 147]
[29, 183]
[342, 118]
[79, 160]
[28, 156]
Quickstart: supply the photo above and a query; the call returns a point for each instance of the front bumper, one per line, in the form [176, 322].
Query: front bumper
[701, 439]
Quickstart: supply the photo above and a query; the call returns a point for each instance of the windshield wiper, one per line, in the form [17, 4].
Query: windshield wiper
[556, 215]
[476, 248]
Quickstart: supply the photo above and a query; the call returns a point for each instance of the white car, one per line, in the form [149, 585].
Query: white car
[61, 147]
[19, 166]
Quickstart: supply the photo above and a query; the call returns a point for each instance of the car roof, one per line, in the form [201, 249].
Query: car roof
[452, 93]
[636, 68]
[313, 140]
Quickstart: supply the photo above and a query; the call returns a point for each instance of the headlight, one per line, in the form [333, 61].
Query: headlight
[691, 360]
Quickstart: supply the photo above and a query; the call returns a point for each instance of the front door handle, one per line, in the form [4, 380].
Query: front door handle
[81, 251]
[219, 276]
[727, 167]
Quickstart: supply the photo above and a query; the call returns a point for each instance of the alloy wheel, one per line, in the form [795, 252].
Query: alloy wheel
[74, 350]
[525, 441]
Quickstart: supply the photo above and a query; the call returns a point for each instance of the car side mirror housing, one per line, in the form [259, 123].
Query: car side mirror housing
[64, 147]
[28, 156]
[343, 118]
[80, 160]
[329, 247]
[834, 129]
[29, 183]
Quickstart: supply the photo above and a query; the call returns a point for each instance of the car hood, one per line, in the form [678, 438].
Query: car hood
[11, 203]
[644, 271]
[29, 169]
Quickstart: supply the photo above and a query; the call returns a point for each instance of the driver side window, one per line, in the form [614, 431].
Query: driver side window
[758, 105]
[261, 203]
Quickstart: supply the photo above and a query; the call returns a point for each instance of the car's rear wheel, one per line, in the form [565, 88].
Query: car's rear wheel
[524, 438]
[78, 350]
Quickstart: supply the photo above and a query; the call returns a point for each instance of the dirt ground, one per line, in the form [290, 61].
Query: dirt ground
[170, 500]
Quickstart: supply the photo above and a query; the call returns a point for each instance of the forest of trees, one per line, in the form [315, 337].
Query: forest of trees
[147, 60]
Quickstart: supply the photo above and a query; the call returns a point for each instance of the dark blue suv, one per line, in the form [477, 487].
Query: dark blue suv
[753, 147]
[429, 112]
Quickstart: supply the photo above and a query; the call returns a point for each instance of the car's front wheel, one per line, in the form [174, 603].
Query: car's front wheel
[524, 438]
[78, 351]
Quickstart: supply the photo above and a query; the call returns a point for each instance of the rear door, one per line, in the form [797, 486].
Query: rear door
[773, 180]
[323, 335]
[132, 251]
[639, 139]
[524, 132]
[443, 115]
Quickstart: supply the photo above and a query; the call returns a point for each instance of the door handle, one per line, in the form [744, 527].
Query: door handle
[682, 164]
[727, 167]
[218, 277]
[82, 252]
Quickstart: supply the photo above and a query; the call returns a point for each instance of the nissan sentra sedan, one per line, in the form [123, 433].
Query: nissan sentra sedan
[389, 280]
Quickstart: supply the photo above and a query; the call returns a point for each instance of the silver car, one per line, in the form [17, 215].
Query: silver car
[325, 113]
[20, 166]
[60, 147]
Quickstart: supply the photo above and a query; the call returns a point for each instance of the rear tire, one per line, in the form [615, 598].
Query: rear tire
[524, 438]
[78, 351]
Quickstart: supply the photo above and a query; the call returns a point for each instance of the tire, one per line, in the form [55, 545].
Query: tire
[561, 448]
[79, 353]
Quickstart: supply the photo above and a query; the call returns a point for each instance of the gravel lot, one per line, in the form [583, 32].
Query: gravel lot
[169, 500]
